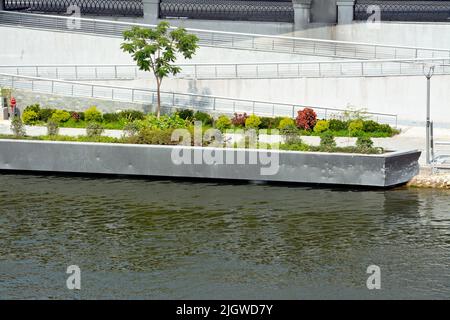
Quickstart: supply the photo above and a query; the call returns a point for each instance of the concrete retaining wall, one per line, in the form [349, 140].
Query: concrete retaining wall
[404, 96]
[144, 160]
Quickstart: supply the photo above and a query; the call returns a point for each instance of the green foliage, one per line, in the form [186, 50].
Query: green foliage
[291, 134]
[131, 115]
[17, 127]
[94, 129]
[364, 143]
[93, 115]
[52, 128]
[286, 123]
[297, 146]
[45, 114]
[30, 117]
[327, 141]
[205, 118]
[153, 136]
[321, 126]
[186, 114]
[34, 107]
[164, 122]
[270, 123]
[337, 125]
[355, 128]
[156, 50]
[385, 128]
[131, 129]
[252, 122]
[60, 116]
[111, 117]
[223, 123]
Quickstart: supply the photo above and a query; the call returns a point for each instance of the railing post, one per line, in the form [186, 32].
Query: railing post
[76, 72]
[236, 69]
[173, 99]
[37, 71]
[214, 104]
[132, 95]
[115, 72]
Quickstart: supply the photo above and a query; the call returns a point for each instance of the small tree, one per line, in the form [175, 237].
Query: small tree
[156, 50]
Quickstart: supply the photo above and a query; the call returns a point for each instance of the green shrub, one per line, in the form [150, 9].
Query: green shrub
[286, 123]
[111, 117]
[338, 125]
[60, 116]
[131, 115]
[153, 136]
[327, 141]
[291, 134]
[17, 127]
[186, 114]
[30, 117]
[94, 129]
[364, 143]
[370, 126]
[270, 123]
[205, 118]
[93, 115]
[355, 128]
[252, 122]
[45, 114]
[131, 129]
[52, 128]
[386, 129]
[164, 122]
[223, 123]
[298, 146]
[321, 126]
[34, 107]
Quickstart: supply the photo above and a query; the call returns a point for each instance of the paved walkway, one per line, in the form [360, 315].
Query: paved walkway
[409, 138]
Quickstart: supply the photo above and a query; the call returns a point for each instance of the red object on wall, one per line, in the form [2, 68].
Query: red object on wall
[13, 102]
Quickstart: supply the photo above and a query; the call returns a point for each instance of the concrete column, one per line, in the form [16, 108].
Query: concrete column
[151, 11]
[302, 13]
[2, 5]
[345, 11]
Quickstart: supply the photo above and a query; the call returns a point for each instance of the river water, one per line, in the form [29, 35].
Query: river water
[162, 239]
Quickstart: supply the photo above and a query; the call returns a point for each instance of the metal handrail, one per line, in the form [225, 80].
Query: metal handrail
[250, 70]
[216, 104]
[223, 39]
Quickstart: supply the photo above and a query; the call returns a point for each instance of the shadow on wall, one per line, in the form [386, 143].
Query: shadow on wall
[203, 102]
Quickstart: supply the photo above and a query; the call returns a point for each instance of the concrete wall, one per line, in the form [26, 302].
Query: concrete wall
[25, 98]
[145, 160]
[30, 46]
[405, 96]
[432, 35]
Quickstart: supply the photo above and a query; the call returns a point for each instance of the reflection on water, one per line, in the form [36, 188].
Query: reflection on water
[172, 239]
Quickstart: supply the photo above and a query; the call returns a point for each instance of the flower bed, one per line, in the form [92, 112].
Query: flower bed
[354, 124]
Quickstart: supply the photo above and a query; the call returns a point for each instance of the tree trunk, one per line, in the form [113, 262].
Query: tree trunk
[158, 89]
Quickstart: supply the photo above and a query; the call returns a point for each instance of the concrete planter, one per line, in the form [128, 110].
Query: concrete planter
[146, 160]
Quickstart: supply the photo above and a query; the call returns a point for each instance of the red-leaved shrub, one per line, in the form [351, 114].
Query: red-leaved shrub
[306, 119]
[239, 120]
